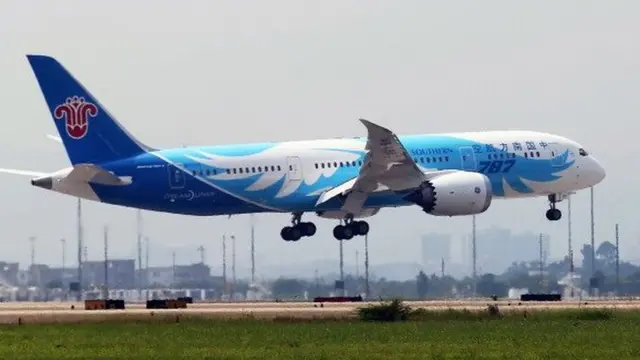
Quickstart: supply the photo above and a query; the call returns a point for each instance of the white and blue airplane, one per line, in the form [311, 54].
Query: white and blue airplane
[344, 178]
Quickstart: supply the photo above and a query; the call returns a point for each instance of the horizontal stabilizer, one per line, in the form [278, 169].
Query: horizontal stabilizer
[94, 174]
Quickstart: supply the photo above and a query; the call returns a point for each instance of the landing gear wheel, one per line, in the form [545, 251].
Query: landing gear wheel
[297, 229]
[291, 233]
[360, 227]
[342, 232]
[307, 228]
[554, 214]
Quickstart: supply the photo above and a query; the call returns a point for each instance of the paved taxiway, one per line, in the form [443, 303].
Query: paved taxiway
[59, 312]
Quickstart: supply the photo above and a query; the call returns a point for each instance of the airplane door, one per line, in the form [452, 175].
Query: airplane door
[176, 177]
[294, 168]
[468, 158]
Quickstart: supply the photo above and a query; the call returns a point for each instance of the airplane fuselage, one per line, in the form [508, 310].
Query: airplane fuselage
[291, 176]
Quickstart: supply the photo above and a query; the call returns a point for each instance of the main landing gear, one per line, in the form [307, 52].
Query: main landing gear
[350, 229]
[298, 229]
[553, 214]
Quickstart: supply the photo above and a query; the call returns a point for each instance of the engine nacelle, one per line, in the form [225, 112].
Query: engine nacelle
[458, 193]
[339, 214]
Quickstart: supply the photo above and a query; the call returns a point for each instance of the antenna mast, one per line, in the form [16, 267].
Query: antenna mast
[80, 247]
[253, 250]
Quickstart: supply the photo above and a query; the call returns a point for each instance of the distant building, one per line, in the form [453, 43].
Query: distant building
[167, 276]
[9, 272]
[498, 248]
[120, 274]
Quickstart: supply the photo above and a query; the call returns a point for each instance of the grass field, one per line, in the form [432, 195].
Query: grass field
[544, 335]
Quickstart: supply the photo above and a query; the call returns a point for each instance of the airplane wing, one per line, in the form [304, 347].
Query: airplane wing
[22, 172]
[387, 166]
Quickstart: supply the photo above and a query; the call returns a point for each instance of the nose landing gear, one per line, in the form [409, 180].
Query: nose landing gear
[553, 214]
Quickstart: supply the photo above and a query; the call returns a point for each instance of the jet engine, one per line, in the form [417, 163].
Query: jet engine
[458, 193]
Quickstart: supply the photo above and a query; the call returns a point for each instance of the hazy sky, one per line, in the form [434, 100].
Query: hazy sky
[216, 72]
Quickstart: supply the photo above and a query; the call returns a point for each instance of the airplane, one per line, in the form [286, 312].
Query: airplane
[348, 179]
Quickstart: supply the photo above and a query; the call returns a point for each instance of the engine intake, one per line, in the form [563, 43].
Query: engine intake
[459, 193]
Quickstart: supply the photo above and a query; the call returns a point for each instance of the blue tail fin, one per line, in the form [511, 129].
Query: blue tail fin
[89, 133]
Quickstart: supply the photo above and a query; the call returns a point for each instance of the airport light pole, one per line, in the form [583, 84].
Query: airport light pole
[106, 262]
[32, 241]
[233, 265]
[617, 262]
[593, 240]
[341, 244]
[146, 266]
[473, 245]
[253, 250]
[139, 245]
[173, 259]
[80, 247]
[366, 265]
[63, 243]
[224, 264]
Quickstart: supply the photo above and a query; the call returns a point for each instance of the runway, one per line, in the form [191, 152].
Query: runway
[62, 312]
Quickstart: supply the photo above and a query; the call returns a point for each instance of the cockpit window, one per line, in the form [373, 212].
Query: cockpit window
[582, 152]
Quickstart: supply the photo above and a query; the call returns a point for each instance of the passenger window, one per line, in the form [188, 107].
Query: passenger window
[290, 167]
[234, 171]
[253, 170]
[228, 171]
[525, 155]
[240, 170]
[279, 168]
[537, 153]
[273, 168]
[341, 164]
[260, 168]
[353, 163]
[446, 158]
[247, 169]
[335, 164]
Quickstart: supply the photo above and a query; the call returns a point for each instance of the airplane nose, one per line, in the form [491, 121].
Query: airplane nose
[597, 172]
